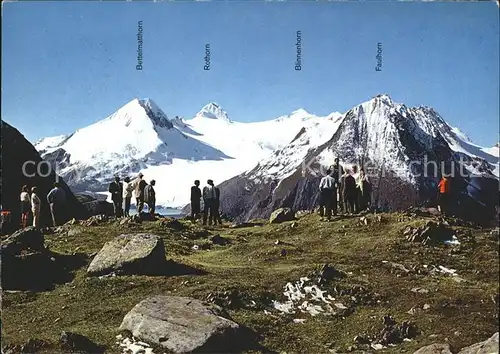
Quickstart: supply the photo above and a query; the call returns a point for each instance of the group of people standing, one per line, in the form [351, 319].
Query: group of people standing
[122, 192]
[348, 189]
[31, 205]
[211, 203]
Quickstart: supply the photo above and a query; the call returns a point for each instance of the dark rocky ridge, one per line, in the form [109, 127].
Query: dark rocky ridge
[16, 150]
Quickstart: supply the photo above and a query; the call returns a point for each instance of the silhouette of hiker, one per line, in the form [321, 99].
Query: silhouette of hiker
[209, 200]
[116, 190]
[215, 215]
[195, 200]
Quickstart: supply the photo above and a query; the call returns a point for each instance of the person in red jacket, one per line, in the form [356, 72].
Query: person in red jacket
[444, 194]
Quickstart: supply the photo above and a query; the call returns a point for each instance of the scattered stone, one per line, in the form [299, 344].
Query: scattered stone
[328, 273]
[397, 266]
[436, 348]
[72, 222]
[278, 242]
[413, 310]
[74, 232]
[95, 220]
[219, 240]
[361, 340]
[420, 290]
[171, 223]
[364, 220]
[33, 345]
[494, 234]
[487, 347]
[28, 238]
[78, 343]
[302, 213]
[131, 220]
[129, 254]
[392, 333]
[283, 253]
[281, 215]
[431, 233]
[426, 306]
[294, 225]
[181, 325]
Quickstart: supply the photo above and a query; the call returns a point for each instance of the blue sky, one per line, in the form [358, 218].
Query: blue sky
[66, 65]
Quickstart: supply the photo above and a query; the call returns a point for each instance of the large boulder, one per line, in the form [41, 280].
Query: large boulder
[28, 265]
[24, 239]
[435, 348]
[281, 215]
[431, 233]
[129, 254]
[182, 325]
[22, 165]
[99, 207]
[487, 347]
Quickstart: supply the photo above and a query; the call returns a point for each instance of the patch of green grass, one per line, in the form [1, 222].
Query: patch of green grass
[257, 267]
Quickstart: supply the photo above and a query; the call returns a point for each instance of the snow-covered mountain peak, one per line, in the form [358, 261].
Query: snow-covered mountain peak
[213, 111]
[301, 112]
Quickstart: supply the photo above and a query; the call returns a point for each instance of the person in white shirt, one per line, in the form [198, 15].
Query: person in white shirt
[128, 188]
[208, 200]
[327, 196]
[355, 175]
[25, 206]
[35, 207]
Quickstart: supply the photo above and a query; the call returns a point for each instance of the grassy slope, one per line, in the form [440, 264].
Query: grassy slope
[253, 264]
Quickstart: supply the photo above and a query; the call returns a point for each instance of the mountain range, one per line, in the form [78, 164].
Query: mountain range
[266, 164]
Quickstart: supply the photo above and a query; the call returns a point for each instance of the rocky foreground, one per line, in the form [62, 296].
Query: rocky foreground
[387, 283]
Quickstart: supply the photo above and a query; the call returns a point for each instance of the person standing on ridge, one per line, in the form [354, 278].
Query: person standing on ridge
[116, 190]
[35, 207]
[150, 197]
[140, 184]
[216, 206]
[25, 206]
[348, 192]
[357, 192]
[195, 200]
[326, 190]
[128, 188]
[364, 190]
[337, 173]
[57, 200]
[208, 200]
[444, 194]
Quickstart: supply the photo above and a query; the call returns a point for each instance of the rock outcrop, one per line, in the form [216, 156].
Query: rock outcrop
[282, 215]
[182, 325]
[435, 348]
[129, 254]
[487, 347]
